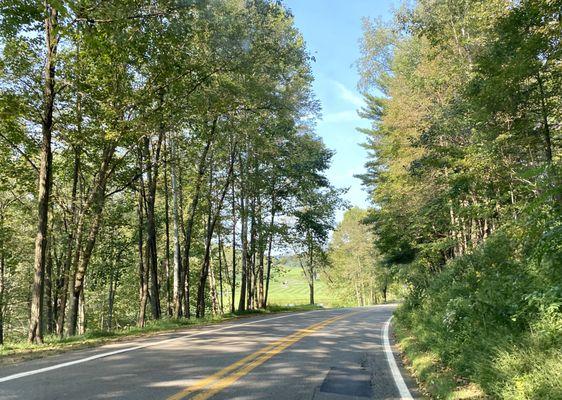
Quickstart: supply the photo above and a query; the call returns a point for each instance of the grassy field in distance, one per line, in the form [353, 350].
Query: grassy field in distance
[289, 286]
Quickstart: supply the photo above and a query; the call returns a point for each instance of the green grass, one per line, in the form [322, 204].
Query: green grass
[289, 287]
[435, 381]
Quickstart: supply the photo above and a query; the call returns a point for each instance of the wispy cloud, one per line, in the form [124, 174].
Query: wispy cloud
[341, 116]
[349, 95]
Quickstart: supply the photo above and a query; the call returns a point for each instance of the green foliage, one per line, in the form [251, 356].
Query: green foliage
[357, 274]
[465, 174]
[495, 318]
[174, 123]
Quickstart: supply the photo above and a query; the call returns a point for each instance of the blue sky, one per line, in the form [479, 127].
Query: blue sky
[332, 29]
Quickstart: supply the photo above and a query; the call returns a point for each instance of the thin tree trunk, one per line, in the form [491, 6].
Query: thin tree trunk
[251, 264]
[191, 218]
[261, 289]
[110, 301]
[221, 299]
[233, 280]
[45, 177]
[152, 161]
[200, 309]
[96, 203]
[269, 245]
[57, 280]
[244, 256]
[49, 288]
[167, 224]
[177, 276]
[211, 223]
[213, 287]
[61, 309]
[143, 278]
[62, 287]
[81, 324]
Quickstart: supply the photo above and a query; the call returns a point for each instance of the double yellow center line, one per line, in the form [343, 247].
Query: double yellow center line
[208, 387]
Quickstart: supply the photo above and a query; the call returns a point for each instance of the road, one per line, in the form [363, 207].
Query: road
[317, 355]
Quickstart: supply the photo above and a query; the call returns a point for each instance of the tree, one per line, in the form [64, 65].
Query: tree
[356, 269]
[155, 128]
[463, 174]
[314, 221]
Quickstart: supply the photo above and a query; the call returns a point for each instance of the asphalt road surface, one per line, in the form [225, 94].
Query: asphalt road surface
[317, 355]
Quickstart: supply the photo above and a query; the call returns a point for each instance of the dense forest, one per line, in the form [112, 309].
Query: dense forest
[465, 174]
[153, 155]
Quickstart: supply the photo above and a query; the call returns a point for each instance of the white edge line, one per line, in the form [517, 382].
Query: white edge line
[398, 379]
[142, 346]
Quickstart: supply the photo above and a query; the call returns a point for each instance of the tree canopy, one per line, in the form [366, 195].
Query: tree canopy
[150, 150]
[465, 176]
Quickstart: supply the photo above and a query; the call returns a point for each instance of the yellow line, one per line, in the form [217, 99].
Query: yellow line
[218, 375]
[232, 378]
[219, 380]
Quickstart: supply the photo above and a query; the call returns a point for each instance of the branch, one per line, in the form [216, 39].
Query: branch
[21, 152]
[136, 16]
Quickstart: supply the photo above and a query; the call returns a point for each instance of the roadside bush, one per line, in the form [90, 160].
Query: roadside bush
[494, 316]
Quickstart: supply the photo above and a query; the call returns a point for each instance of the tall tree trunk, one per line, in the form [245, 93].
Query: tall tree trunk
[244, 256]
[152, 163]
[57, 280]
[233, 280]
[143, 271]
[177, 276]
[191, 217]
[167, 224]
[261, 289]
[251, 263]
[49, 288]
[221, 299]
[81, 324]
[72, 230]
[80, 231]
[96, 204]
[555, 178]
[152, 260]
[211, 223]
[200, 309]
[213, 288]
[269, 245]
[64, 279]
[110, 301]
[35, 333]
[226, 276]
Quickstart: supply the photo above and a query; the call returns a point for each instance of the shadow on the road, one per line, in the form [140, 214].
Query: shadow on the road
[316, 367]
